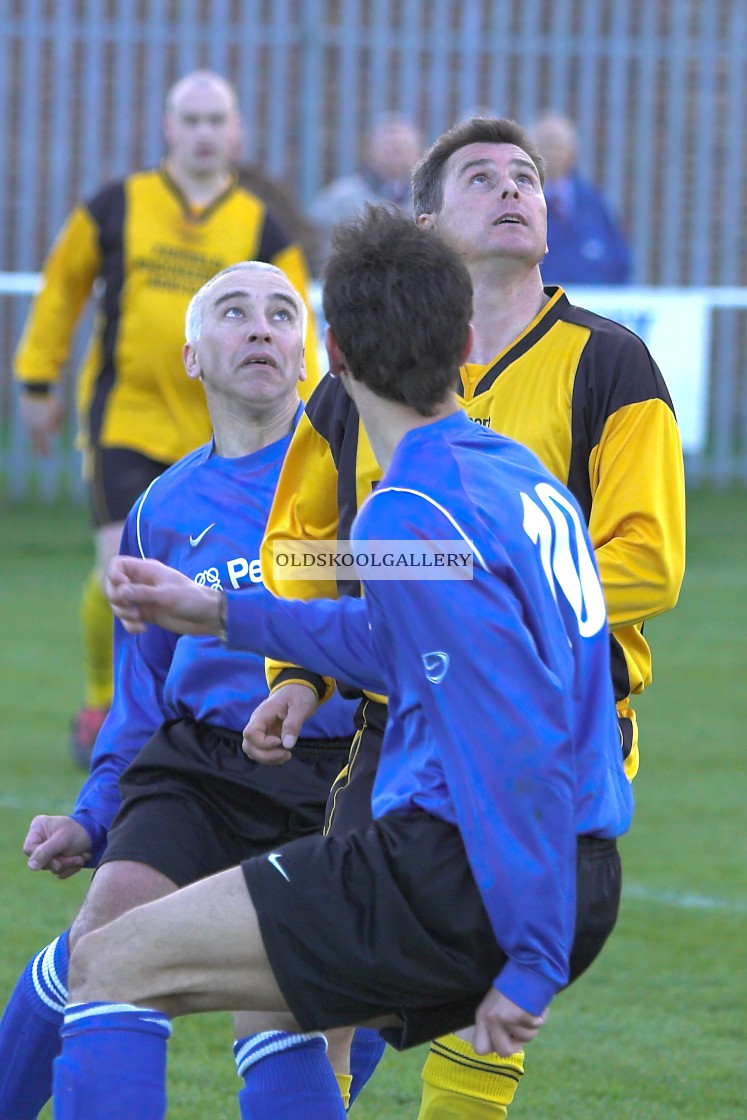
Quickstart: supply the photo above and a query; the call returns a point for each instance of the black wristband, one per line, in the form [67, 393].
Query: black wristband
[305, 676]
[36, 388]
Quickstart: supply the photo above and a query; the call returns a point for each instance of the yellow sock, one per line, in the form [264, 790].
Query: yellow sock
[97, 628]
[344, 1081]
[459, 1084]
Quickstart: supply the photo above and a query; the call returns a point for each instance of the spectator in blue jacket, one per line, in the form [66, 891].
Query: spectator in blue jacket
[586, 244]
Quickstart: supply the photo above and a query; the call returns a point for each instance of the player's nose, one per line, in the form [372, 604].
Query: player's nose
[259, 328]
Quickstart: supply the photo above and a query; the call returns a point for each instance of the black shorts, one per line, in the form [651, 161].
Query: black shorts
[389, 920]
[194, 804]
[119, 477]
[349, 804]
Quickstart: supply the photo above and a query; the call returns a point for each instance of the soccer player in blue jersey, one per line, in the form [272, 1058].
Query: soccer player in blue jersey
[191, 802]
[490, 877]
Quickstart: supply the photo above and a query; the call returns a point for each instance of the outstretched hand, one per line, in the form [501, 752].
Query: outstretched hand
[57, 844]
[502, 1027]
[275, 724]
[143, 591]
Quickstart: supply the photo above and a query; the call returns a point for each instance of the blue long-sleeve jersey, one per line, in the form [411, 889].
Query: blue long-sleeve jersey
[501, 712]
[205, 516]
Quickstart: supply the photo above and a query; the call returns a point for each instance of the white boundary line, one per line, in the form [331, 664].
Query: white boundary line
[637, 892]
[632, 892]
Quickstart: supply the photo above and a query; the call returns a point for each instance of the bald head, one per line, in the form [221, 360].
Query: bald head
[201, 83]
[202, 125]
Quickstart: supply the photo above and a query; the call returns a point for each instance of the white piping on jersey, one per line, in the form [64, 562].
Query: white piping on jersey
[139, 511]
[445, 512]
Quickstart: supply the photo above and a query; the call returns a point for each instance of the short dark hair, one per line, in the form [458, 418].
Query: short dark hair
[428, 174]
[399, 302]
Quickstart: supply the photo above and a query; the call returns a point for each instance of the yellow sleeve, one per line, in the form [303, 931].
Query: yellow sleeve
[68, 275]
[304, 508]
[637, 522]
[293, 264]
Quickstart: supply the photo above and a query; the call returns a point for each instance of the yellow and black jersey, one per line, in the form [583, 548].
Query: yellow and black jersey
[150, 251]
[586, 396]
[328, 472]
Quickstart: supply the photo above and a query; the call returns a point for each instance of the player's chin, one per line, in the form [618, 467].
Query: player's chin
[265, 388]
[518, 242]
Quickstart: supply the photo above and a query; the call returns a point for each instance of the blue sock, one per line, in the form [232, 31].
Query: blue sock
[366, 1052]
[287, 1076]
[113, 1063]
[30, 1033]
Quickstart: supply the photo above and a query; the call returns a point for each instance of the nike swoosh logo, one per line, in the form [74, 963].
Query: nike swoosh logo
[194, 541]
[274, 858]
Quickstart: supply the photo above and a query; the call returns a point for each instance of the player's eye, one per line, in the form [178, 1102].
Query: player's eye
[283, 314]
[479, 178]
[233, 312]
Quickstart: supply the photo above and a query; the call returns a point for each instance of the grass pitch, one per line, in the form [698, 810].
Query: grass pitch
[655, 1031]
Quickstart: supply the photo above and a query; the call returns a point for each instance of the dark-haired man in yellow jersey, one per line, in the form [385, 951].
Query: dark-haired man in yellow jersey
[584, 394]
[151, 240]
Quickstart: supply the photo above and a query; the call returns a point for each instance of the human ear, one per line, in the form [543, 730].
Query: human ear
[191, 363]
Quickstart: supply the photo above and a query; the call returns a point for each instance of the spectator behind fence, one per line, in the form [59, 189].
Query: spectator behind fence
[152, 239]
[586, 244]
[392, 147]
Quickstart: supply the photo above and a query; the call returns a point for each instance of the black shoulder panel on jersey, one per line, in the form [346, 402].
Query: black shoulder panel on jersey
[615, 370]
[273, 239]
[108, 210]
[333, 415]
[616, 363]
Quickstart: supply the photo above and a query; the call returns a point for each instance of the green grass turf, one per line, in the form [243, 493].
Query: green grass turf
[656, 1031]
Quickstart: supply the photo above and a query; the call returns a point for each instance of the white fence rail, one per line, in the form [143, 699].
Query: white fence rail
[696, 335]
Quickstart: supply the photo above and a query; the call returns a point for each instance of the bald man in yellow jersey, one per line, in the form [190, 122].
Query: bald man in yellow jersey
[151, 240]
[585, 395]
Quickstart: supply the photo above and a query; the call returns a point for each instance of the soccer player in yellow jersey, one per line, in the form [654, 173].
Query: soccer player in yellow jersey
[150, 240]
[585, 395]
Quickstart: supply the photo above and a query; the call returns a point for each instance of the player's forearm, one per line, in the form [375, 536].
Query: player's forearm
[639, 582]
[331, 638]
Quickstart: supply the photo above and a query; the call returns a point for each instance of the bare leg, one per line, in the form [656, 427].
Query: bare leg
[106, 541]
[116, 888]
[255, 1022]
[338, 1049]
[200, 949]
